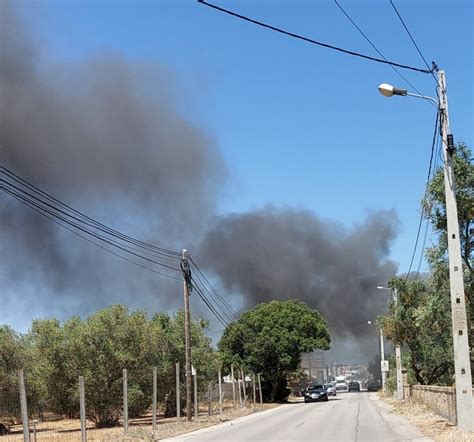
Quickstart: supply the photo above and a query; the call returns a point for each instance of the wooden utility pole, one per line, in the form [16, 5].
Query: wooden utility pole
[260, 389]
[187, 331]
[178, 398]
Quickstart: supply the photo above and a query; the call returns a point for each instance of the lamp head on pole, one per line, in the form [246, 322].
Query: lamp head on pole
[387, 90]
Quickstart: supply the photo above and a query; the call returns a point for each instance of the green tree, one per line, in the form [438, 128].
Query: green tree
[435, 210]
[419, 323]
[100, 347]
[270, 339]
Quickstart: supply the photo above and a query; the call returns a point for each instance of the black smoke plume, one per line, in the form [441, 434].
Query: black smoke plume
[107, 136]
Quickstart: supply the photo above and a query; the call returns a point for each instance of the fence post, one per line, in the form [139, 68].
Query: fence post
[260, 389]
[196, 411]
[209, 399]
[178, 398]
[233, 384]
[125, 401]
[243, 386]
[254, 393]
[82, 409]
[155, 394]
[220, 390]
[240, 392]
[24, 408]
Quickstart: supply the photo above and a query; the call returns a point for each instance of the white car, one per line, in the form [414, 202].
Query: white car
[331, 389]
[342, 386]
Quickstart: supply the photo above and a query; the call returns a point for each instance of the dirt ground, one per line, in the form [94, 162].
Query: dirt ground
[139, 429]
[429, 424]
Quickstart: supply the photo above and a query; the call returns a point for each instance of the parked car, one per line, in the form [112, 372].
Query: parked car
[354, 386]
[331, 389]
[373, 386]
[315, 392]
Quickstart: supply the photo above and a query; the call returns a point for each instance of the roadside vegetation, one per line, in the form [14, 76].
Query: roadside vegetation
[421, 322]
[271, 339]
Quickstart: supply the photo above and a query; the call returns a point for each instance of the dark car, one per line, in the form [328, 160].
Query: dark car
[354, 386]
[373, 386]
[316, 392]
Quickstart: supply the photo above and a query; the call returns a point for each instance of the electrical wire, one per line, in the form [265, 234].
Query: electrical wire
[380, 53]
[208, 303]
[414, 42]
[53, 211]
[164, 253]
[435, 168]
[424, 197]
[51, 218]
[221, 298]
[310, 40]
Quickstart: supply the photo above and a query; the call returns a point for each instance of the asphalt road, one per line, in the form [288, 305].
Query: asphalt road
[347, 417]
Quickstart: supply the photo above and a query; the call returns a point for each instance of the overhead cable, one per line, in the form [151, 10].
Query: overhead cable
[63, 222]
[380, 53]
[434, 67]
[164, 253]
[422, 215]
[310, 40]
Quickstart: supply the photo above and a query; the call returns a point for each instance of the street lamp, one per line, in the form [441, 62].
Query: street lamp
[462, 363]
[398, 355]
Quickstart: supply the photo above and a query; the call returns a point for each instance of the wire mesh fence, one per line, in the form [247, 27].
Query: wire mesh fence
[126, 408]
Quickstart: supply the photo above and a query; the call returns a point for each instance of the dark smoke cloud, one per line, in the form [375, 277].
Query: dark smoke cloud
[291, 253]
[105, 135]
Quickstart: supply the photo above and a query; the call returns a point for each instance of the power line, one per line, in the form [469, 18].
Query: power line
[435, 168]
[414, 42]
[424, 197]
[379, 52]
[36, 208]
[60, 214]
[214, 290]
[310, 40]
[206, 301]
[168, 254]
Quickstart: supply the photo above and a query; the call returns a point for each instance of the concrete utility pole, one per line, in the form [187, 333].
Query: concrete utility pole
[398, 356]
[462, 363]
[187, 328]
[382, 358]
[398, 359]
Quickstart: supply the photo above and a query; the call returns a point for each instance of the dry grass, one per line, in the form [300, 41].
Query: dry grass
[429, 423]
[139, 429]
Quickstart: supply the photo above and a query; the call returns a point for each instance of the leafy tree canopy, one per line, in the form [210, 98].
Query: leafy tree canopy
[270, 339]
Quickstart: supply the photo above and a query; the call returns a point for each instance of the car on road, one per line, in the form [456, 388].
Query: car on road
[315, 392]
[354, 386]
[341, 386]
[373, 386]
[331, 389]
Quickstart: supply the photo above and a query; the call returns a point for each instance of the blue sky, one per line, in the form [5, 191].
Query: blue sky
[297, 124]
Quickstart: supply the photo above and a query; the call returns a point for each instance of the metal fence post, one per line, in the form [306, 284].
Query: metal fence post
[254, 392]
[24, 408]
[82, 409]
[155, 393]
[178, 398]
[220, 389]
[125, 402]
[196, 410]
[233, 384]
[209, 399]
